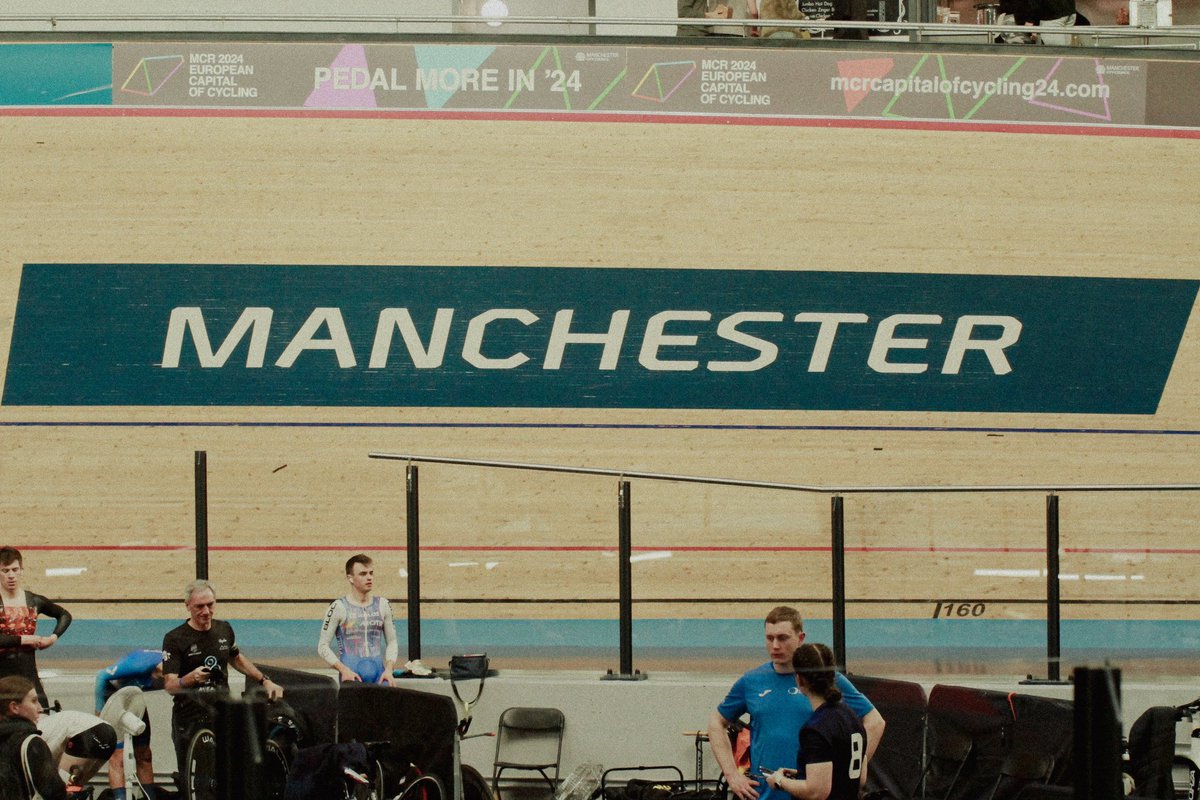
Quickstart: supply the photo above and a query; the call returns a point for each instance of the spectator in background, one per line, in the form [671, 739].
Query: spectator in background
[782, 9]
[1044, 14]
[19, 640]
[715, 9]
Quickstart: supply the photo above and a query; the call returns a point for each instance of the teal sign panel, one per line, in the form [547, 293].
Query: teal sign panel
[56, 74]
[397, 336]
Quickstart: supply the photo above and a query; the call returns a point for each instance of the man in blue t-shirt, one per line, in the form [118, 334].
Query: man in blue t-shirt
[143, 669]
[778, 711]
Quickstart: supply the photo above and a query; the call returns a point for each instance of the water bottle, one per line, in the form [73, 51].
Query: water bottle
[581, 784]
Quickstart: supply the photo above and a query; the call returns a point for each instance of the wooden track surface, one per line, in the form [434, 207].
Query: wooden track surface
[295, 191]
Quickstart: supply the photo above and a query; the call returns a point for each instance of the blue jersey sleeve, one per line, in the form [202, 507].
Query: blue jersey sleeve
[855, 700]
[132, 670]
[734, 704]
[101, 689]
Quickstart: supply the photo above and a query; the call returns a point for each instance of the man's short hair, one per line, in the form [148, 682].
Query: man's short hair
[786, 614]
[8, 555]
[13, 690]
[198, 585]
[359, 558]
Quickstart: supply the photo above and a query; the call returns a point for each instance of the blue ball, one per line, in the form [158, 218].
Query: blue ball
[369, 669]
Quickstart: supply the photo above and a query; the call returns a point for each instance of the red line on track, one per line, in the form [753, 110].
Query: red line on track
[604, 549]
[583, 116]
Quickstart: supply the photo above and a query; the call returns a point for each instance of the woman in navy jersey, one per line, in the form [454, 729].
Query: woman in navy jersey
[833, 743]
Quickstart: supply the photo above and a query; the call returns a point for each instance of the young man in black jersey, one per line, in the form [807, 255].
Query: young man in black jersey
[19, 612]
[196, 660]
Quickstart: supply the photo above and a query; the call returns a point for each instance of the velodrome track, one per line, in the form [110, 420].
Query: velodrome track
[102, 497]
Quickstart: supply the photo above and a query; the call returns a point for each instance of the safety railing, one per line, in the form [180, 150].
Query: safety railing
[837, 538]
[1175, 37]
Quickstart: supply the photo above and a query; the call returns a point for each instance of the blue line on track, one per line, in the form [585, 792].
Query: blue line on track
[1162, 636]
[609, 426]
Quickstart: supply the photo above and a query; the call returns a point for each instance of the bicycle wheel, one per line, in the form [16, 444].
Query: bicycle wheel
[474, 785]
[424, 787]
[372, 790]
[200, 766]
[1186, 778]
[275, 771]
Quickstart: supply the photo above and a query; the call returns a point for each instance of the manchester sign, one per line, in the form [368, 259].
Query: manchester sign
[396, 336]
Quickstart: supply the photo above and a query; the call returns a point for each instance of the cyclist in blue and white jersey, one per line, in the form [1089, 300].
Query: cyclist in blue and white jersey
[362, 625]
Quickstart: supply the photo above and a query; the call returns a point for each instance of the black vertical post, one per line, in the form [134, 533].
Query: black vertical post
[1053, 606]
[592, 15]
[201, 480]
[625, 586]
[413, 552]
[838, 524]
[241, 748]
[1097, 762]
[625, 575]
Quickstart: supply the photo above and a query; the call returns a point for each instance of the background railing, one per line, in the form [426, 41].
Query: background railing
[922, 28]
[624, 537]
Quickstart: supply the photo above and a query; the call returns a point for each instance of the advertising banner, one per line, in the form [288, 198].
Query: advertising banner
[409, 336]
[1018, 85]
[55, 74]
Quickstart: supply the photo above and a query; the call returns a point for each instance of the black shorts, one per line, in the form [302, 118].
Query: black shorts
[99, 741]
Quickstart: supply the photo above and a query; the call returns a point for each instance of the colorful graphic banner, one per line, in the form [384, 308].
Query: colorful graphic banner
[55, 74]
[1018, 86]
[252, 335]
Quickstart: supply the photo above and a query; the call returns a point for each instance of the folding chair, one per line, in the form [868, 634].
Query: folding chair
[947, 756]
[529, 739]
[1018, 770]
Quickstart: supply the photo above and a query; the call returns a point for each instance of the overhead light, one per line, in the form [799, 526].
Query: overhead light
[494, 10]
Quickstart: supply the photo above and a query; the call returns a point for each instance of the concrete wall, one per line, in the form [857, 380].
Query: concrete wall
[612, 723]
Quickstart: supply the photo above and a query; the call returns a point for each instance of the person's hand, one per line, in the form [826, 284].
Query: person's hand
[195, 678]
[348, 674]
[274, 690]
[387, 678]
[743, 787]
[46, 641]
[775, 778]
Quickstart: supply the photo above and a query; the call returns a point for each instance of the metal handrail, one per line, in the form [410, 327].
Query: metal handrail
[915, 30]
[837, 526]
[794, 487]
